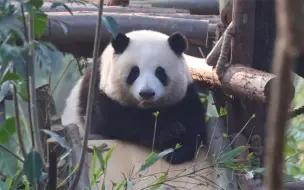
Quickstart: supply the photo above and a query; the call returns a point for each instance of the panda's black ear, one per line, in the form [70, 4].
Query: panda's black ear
[178, 43]
[120, 43]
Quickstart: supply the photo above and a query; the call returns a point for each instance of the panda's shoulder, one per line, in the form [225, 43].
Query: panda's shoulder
[85, 84]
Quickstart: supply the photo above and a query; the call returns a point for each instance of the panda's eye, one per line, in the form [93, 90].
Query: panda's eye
[134, 73]
[160, 73]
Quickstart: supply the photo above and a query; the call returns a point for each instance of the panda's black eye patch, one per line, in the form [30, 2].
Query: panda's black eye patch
[134, 73]
[160, 73]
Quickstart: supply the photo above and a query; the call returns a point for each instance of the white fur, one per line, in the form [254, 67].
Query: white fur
[70, 112]
[147, 50]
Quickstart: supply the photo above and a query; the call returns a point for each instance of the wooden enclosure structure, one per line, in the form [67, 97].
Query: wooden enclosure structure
[243, 88]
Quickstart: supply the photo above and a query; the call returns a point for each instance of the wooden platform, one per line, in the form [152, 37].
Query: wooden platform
[196, 175]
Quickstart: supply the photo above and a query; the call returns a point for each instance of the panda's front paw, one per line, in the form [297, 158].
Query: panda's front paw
[171, 134]
[180, 155]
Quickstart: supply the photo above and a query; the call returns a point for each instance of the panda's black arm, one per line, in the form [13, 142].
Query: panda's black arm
[123, 128]
[191, 114]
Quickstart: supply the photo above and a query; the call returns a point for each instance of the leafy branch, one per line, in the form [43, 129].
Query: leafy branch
[296, 112]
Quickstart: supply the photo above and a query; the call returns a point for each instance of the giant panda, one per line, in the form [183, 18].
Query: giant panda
[141, 73]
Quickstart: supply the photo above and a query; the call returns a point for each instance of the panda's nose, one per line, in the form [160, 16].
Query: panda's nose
[146, 94]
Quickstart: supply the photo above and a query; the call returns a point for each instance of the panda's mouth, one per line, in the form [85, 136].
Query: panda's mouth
[146, 103]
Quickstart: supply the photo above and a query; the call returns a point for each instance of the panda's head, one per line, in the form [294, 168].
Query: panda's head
[145, 69]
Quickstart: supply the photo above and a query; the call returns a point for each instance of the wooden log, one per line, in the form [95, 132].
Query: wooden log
[196, 7]
[111, 9]
[239, 81]
[117, 2]
[211, 18]
[139, 10]
[294, 185]
[84, 29]
[81, 29]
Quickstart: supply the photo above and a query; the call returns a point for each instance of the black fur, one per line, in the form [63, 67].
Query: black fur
[162, 76]
[175, 124]
[120, 43]
[133, 75]
[178, 43]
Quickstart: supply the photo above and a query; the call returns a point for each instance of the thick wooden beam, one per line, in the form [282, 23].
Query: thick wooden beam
[240, 81]
[81, 29]
[111, 9]
[116, 2]
[243, 22]
[197, 7]
[81, 26]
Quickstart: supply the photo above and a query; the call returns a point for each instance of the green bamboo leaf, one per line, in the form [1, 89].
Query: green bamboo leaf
[10, 76]
[231, 154]
[36, 3]
[7, 130]
[250, 157]
[223, 111]
[40, 20]
[156, 114]
[97, 155]
[153, 158]
[33, 166]
[121, 184]
[203, 99]
[100, 158]
[93, 167]
[232, 164]
[177, 146]
[109, 154]
[111, 25]
[160, 181]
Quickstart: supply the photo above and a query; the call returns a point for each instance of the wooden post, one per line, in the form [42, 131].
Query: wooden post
[114, 2]
[264, 37]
